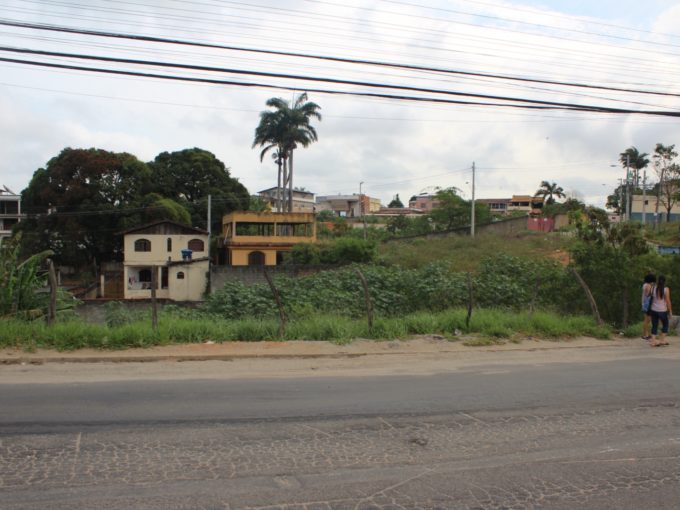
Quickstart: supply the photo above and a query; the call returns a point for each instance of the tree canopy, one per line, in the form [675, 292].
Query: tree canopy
[396, 202]
[189, 176]
[78, 203]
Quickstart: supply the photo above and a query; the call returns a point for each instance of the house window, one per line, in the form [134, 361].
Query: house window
[142, 245]
[164, 277]
[169, 244]
[196, 245]
[180, 275]
[145, 275]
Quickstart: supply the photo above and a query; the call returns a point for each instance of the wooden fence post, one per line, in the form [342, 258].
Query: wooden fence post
[154, 304]
[589, 295]
[367, 299]
[277, 298]
[533, 298]
[469, 309]
[52, 307]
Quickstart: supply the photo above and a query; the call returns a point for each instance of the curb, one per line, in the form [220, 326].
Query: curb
[41, 360]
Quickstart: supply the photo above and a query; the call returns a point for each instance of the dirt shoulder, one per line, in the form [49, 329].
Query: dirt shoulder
[244, 360]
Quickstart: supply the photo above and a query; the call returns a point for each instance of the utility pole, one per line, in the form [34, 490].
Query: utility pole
[644, 197]
[472, 213]
[209, 229]
[621, 216]
[627, 187]
[361, 204]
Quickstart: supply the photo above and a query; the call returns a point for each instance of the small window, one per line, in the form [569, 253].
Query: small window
[180, 275]
[142, 245]
[145, 275]
[169, 243]
[196, 245]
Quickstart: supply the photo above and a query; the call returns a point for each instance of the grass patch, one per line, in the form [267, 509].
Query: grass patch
[465, 253]
[492, 326]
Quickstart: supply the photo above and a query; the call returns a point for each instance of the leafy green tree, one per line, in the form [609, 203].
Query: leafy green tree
[282, 130]
[454, 211]
[668, 172]
[550, 190]
[396, 202]
[325, 215]
[79, 201]
[397, 224]
[189, 176]
[154, 207]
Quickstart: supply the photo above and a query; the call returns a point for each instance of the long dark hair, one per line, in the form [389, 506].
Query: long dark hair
[660, 284]
[650, 278]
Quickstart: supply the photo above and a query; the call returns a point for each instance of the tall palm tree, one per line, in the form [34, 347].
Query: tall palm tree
[551, 191]
[268, 134]
[635, 160]
[285, 128]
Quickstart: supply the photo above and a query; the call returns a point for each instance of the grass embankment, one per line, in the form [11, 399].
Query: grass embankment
[466, 253]
[486, 326]
[666, 234]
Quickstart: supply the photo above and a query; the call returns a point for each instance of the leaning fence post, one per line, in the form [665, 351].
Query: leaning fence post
[589, 295]
[533, 298]
[367, 299]
[469, 308]
[282, 315]
[154, 304]
[52, 278]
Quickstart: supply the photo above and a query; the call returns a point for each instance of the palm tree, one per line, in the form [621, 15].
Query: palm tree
[632, 158]
[284, 128]
[551, 191]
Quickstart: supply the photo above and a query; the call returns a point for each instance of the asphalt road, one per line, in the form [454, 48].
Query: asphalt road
[559, 435]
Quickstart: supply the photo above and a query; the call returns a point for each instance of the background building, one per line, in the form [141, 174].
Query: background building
[10, 211]
[303, 201]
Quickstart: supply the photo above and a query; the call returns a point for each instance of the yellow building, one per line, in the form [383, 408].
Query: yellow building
[261, 238]
[177, 253]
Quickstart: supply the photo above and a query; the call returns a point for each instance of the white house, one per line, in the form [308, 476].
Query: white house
[177, 253]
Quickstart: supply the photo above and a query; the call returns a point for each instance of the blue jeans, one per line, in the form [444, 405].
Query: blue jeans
[663, 317]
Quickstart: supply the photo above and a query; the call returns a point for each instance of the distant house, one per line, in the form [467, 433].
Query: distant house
[529, 204]
[303, 201]
[10, 211]
[177, 253]
[424, 202]
[497, 206]
[649, 204]
[261, 238]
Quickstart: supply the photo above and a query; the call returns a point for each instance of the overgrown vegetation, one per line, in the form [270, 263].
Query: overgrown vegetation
[177, 328]
[464, 253]
[22, 283]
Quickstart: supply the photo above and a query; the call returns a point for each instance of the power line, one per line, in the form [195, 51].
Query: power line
[295, 77]
[411, 67]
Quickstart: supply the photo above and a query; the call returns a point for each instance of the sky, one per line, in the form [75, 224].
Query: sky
[392, 146]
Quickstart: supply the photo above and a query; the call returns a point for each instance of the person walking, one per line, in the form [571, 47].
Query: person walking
[661, 311]
[647, 285]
